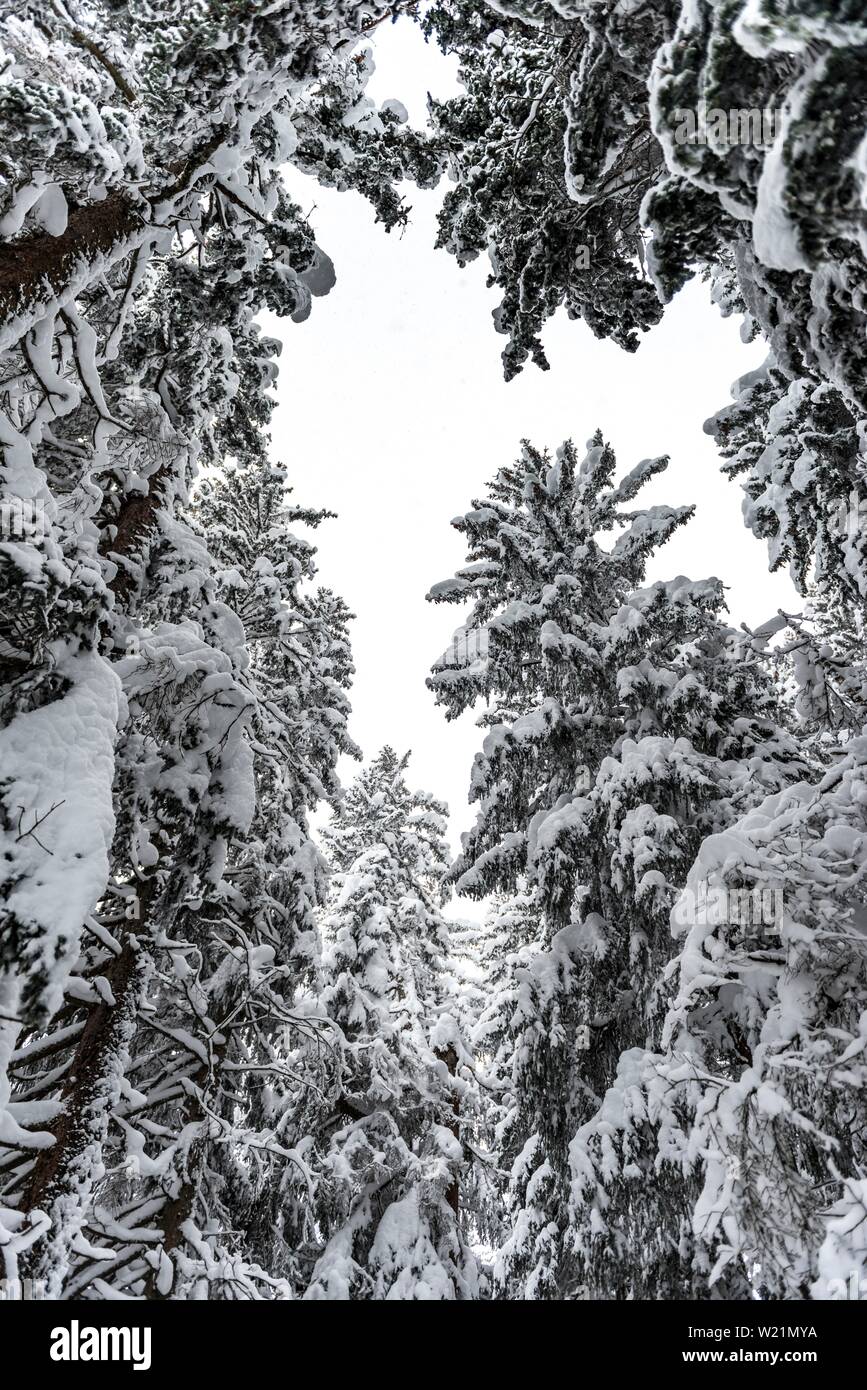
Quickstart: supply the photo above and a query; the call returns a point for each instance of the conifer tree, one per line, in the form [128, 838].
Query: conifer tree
[151, 747]
[731, 133]
[761, 112]
[389, 1156]
[624, 725]
[170, 1049]
[798, 447]
[550, 153]
[499, 951]
[758, 1088]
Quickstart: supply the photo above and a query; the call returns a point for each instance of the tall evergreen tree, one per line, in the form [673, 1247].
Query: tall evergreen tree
[624, 725]
[152, 753]
[761, 112]
[799, 449]
[499, 952]
[388, 1158]
[169, 1050]
[550, 152]
[731, 132]
[759, 1085]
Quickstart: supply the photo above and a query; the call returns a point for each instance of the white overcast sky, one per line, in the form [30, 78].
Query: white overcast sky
[393, 413]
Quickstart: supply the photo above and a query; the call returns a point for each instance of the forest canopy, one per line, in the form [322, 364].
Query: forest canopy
[242, 1059]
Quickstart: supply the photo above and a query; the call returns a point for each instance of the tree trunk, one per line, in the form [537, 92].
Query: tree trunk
[72, 1129]
[450, 1057]
[37, 269]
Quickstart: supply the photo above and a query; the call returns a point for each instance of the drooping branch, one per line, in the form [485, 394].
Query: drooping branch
[90, 46]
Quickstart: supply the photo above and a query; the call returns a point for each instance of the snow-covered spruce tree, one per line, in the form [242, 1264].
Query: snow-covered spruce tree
[733, 133]
[762, 113]
[801, 453]
[143, 224]
[625, 724]
[550, 150]
[498, 953]
[388, 1157]
[182, 1105]
[256, 938]
[761, 1085]
[757, 1094]
[301, 664]
[762, 1082]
